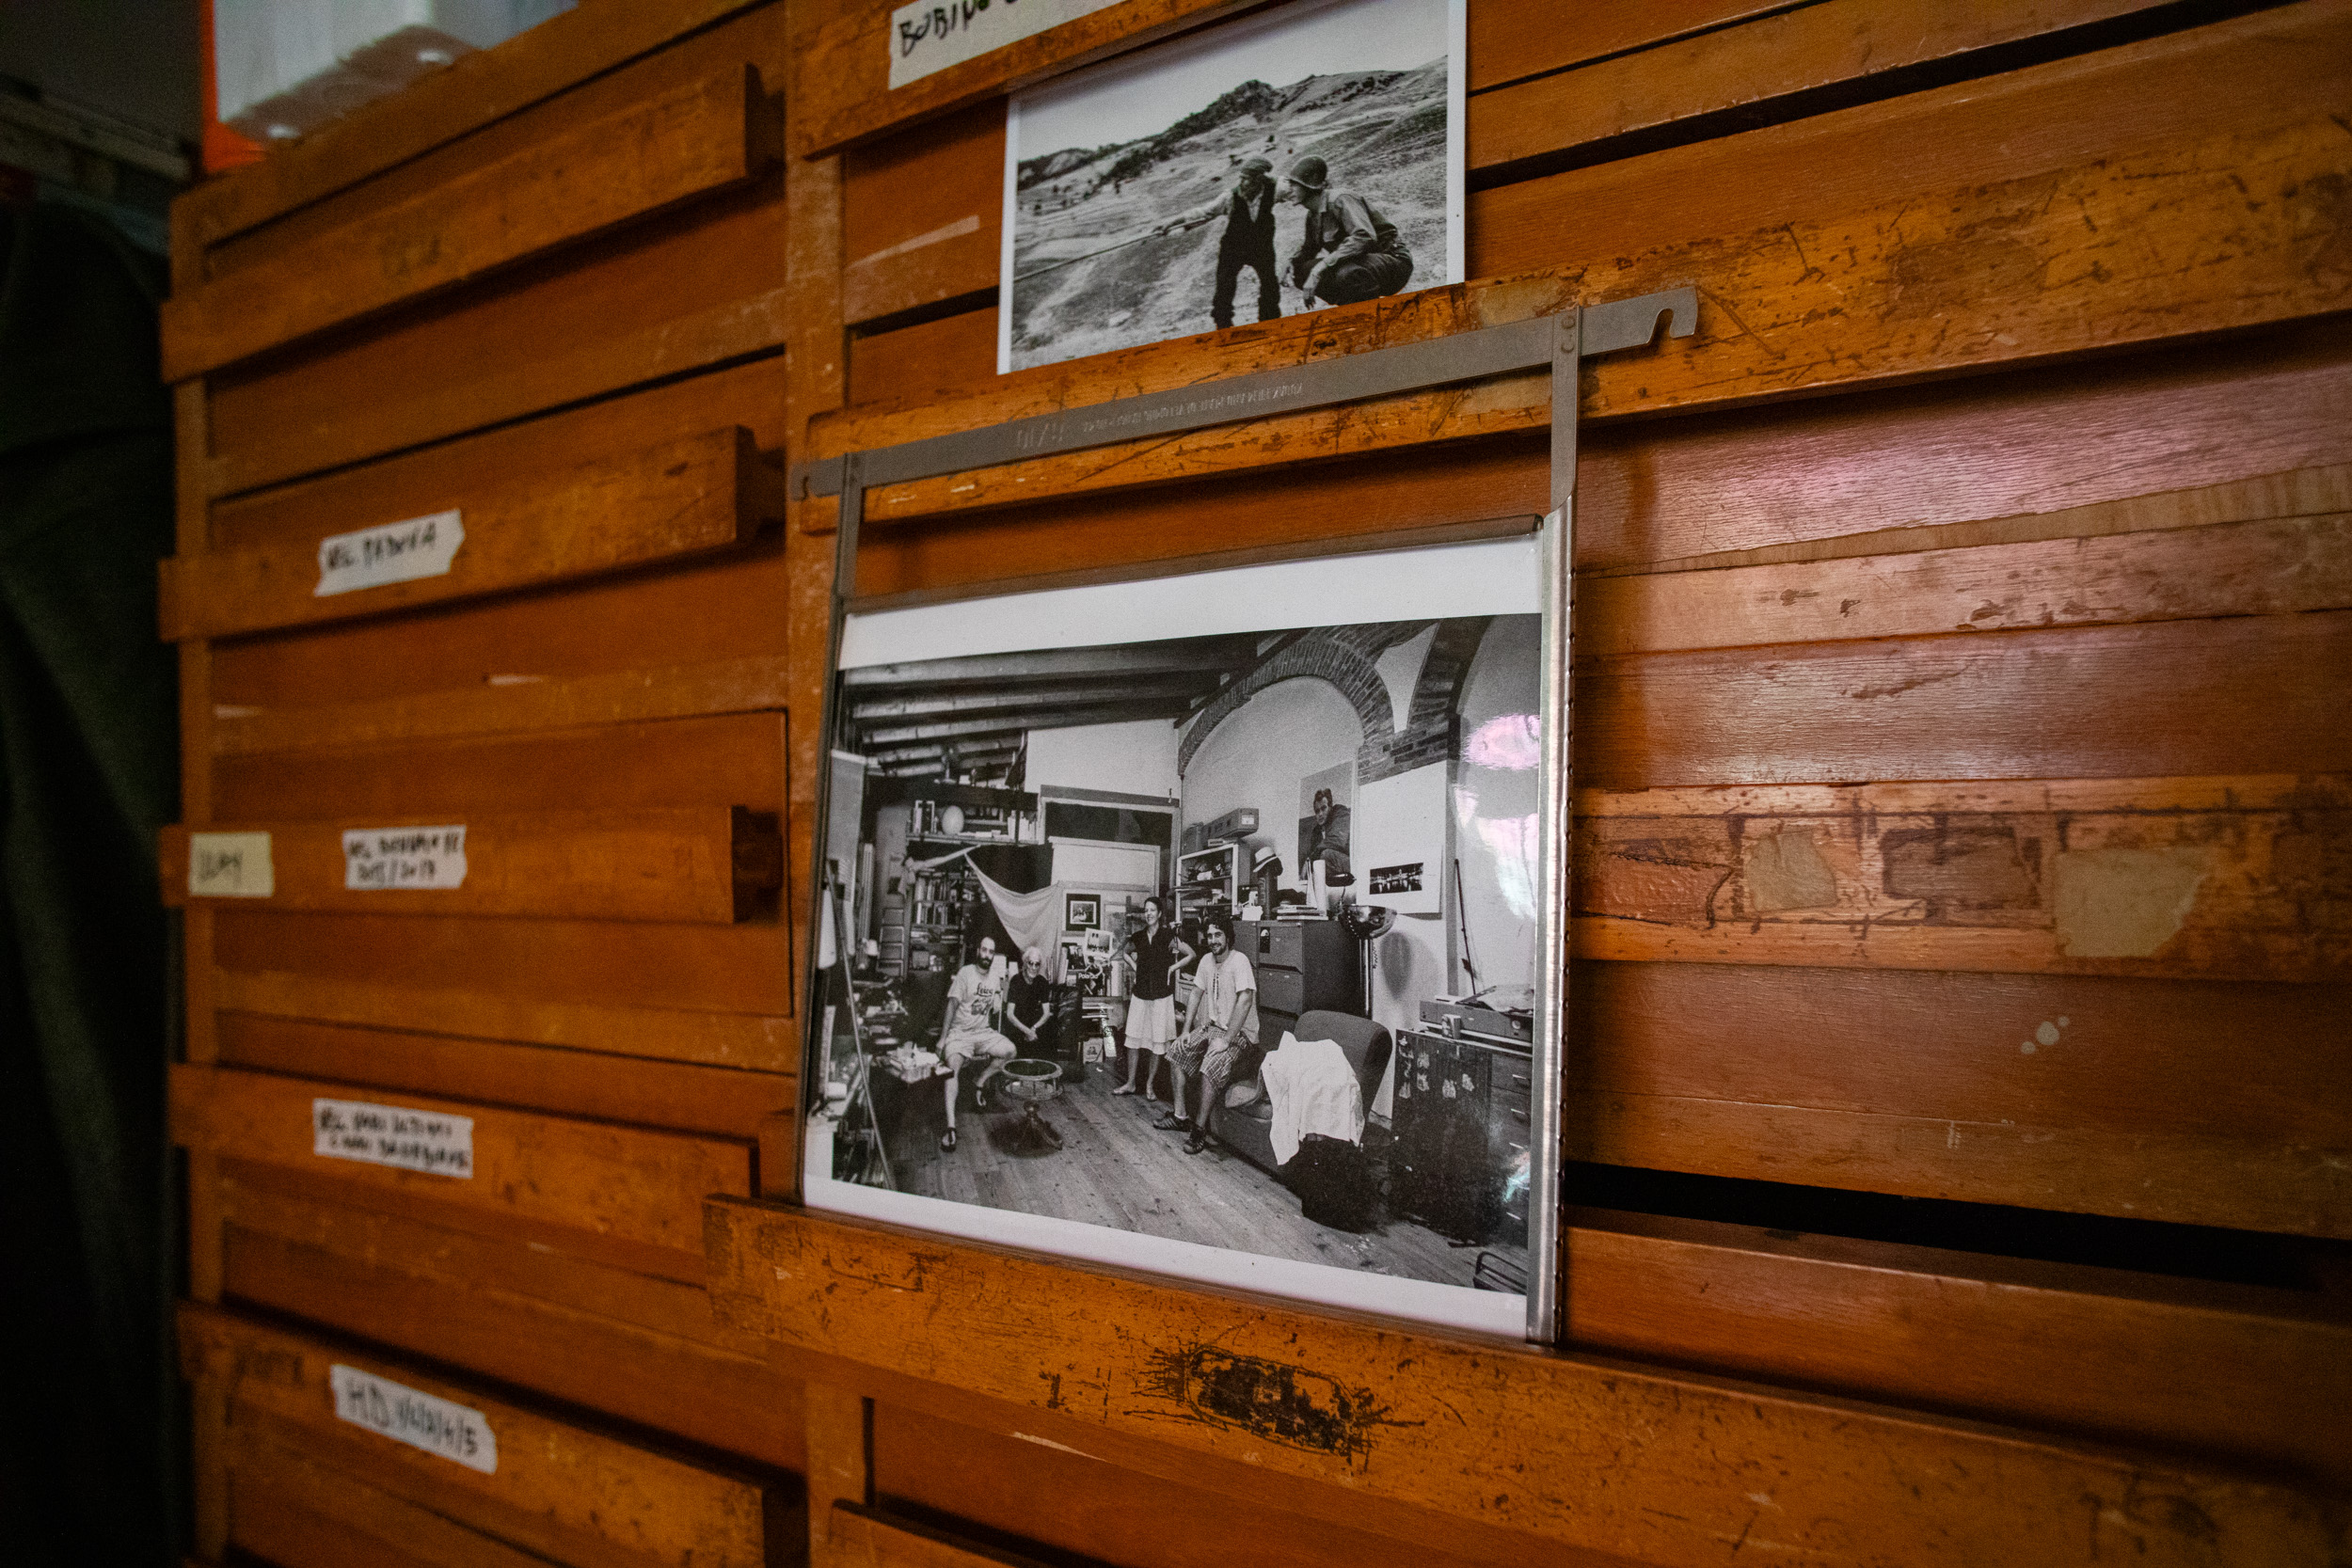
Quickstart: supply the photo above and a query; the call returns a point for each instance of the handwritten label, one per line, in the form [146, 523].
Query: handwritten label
[229, 865]
[414, 1418]
[430, 1141]
[377, 860]
[933, 34]
[389, 552]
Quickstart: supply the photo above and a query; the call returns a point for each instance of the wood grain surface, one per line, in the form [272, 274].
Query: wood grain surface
[1482, 1431]
[562, 1489]
[601, 1190]
[705, 494]
[673, 147]
[634, 1345]
[707, 864]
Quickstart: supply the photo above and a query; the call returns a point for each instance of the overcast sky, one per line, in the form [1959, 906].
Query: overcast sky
[1094, 109]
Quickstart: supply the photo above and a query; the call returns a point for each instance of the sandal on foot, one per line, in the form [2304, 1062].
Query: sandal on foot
[947, 1141]
[1195, 1144]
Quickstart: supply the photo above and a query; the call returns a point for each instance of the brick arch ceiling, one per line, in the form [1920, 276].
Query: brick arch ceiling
[1319, 657]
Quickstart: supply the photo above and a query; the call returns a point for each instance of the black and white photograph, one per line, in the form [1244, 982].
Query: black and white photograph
[1105, 969]
[1307, 156]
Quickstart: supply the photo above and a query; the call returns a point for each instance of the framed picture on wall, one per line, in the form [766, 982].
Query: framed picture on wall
[1303, 156]
[1335, 1059]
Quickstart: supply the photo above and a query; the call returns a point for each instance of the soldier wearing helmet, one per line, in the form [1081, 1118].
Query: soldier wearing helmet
[1349, 251]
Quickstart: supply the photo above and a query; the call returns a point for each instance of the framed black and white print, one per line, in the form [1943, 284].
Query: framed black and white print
[1290, 1043]
[1303, 156]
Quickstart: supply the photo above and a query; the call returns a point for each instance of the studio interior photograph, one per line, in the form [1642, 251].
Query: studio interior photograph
[1176, 783]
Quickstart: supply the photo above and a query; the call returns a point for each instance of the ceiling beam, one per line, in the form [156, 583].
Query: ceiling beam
[1186, 686]
[1044, 719]
[1188, 656]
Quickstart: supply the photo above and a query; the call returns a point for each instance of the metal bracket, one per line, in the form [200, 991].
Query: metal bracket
[1562, 343]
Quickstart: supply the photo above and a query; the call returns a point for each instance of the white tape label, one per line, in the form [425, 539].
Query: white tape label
[430, 1141]
[389, 552]
[377, 860]
[933, 34]
[229, 865]
[417, 1418]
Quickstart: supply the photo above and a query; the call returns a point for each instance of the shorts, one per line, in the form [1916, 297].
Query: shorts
[964, 1044]
[1151, 1024]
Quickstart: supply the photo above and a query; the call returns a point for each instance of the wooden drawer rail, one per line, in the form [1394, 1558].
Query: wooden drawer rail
[281, 1446]
[1498, 1438]
[676, 500]
[688, 142]
[710, 864]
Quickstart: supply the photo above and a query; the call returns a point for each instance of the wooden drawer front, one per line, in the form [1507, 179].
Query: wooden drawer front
[685, 498]
[639, 303]
[601, 1189]
[709, 864]
[640, 1346]
[561, 1490]
[683, 143]
[1283, 989]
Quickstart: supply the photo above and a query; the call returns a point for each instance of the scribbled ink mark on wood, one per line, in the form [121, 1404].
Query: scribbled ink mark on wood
[1273, 1399]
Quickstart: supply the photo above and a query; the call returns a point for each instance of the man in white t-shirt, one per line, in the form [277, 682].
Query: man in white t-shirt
[1219, 1032]
[974, 998]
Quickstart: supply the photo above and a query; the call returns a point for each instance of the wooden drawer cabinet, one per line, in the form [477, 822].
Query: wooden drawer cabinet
[314, 1475]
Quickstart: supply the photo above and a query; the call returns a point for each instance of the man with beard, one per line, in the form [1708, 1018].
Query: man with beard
[1247, 210]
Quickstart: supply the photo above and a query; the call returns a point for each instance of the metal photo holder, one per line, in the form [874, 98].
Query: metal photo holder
[1561, 341]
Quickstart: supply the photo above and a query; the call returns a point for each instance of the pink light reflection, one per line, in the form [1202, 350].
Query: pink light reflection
[1510, 743]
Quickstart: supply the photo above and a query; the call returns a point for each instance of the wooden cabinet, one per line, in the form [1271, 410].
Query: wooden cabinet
[1982, 560]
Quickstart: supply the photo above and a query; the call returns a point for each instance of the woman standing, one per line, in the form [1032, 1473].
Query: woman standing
[1151, 1006]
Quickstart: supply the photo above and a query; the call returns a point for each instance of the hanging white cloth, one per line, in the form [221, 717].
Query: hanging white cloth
[1311, 1087]
[1033, 919]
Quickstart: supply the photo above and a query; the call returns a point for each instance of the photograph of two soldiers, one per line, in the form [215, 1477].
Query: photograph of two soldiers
[1303, 167]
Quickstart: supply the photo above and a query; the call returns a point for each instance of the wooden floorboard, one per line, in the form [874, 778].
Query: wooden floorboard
[1114, 1170]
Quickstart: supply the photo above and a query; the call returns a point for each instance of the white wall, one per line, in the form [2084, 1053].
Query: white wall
[1258, 755]
[1131, 759]
[1495, 796]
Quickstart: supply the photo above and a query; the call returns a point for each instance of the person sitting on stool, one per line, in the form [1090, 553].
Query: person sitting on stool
[972, 1002]
[1029, 1005]
[1349, 251]
[1219, 1034]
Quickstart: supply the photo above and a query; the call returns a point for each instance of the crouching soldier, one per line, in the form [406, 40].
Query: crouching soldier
[1349, 251]
[1247, 210]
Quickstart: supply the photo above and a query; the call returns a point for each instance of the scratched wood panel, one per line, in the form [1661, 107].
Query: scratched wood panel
[673, 763]
[287, 1510]
[2108, 1096]
[637, 1346]
[707, 636]
[709, 864]
[604, 1190]
[485, 90]
[672, 149]
[644, 302]
[2251, 694]
[921, 223]
[935, 1466]
[2266, 567]
[681, 1096]
[1754, 67]
[560, 1488]
[2230, 878]
[1510, 42]
[1474, 1429]
[2252, 1369]
[746, 1041]
[1766, 331]
[599, 964]
[2211, 434]
[705, 493]
[864, 1537]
